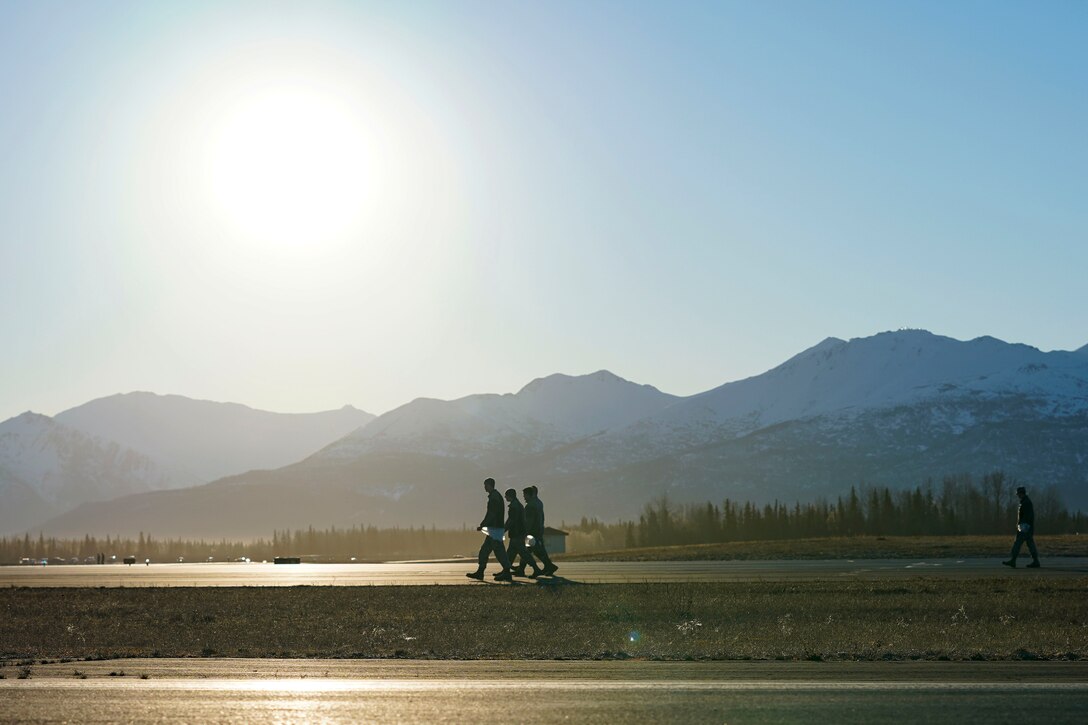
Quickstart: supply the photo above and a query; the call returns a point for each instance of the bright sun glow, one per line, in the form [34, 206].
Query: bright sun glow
[290, 166]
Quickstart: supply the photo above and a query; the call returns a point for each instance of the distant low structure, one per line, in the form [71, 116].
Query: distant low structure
[555, 540]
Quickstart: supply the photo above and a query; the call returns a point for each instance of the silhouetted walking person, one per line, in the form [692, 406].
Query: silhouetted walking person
[1025, 531]
[515, 528]
[493, 529]
[534, 525]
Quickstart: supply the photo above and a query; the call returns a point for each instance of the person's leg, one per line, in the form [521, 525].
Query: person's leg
[512, 551]
[542, 554]
[1030, 538]
[1016, 546]
[500, 554]
[527, 558]
[485, 551]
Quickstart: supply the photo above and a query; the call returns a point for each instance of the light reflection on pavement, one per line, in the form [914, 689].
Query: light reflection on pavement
[545, 692]
[453, 572]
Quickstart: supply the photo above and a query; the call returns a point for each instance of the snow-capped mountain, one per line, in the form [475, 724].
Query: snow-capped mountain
[47, 468]
[140, 442]
[197, 441]
[893, 409]
[839, 378]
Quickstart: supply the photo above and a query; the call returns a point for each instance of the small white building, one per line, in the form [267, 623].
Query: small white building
[555, 540]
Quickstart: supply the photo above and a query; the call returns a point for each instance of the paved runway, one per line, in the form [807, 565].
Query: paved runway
[589, 572]
[544, 692]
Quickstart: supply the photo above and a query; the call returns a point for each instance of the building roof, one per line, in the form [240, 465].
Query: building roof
[551, 530]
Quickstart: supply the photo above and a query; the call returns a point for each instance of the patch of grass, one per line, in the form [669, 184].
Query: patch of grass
[847, 547]
[931, 619]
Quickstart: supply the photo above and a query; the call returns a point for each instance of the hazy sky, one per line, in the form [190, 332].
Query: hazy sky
[301, 205]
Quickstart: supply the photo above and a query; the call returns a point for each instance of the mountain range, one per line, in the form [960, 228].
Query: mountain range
[141, 442]
[893, 409]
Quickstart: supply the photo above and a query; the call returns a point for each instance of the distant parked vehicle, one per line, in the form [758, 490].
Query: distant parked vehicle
[287, 560]
[130, 560]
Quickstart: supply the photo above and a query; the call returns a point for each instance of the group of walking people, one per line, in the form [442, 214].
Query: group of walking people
[525, 526]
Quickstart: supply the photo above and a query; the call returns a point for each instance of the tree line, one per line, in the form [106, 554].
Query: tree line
[357, 543]
[956, 505]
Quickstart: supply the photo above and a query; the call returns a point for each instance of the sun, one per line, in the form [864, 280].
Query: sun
[290, 166]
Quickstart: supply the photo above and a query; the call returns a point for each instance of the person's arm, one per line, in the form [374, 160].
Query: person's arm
[533, 518]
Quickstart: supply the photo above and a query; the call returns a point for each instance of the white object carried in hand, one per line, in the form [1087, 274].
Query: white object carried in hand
[530, 540]
[1023, 528]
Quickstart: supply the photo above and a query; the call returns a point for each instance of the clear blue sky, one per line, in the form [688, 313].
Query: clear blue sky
[682, 193]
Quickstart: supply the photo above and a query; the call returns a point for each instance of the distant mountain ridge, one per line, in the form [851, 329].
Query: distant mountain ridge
[890, 409]
[547, 412]
[883, 371]
[199, 440]
[142, 442]
[47, 468]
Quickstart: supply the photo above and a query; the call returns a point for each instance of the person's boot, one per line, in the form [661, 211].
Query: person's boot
[504, 576]
[1034, 564]
[518, 571]
[1010, 562]
[477, 575]
[550, 569]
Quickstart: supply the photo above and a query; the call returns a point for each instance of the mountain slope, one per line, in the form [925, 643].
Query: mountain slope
[836, 377]
[547, 412]
[47, 468]
[198, 441]
[892, 409]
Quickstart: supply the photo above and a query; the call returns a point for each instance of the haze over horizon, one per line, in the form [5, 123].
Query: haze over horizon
[301, 206]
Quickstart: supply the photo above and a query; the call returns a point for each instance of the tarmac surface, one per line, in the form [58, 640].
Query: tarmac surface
[241, 690]
[453, 572]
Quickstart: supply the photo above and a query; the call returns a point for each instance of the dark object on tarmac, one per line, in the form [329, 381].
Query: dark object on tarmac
[130, 560]
[287, 560]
